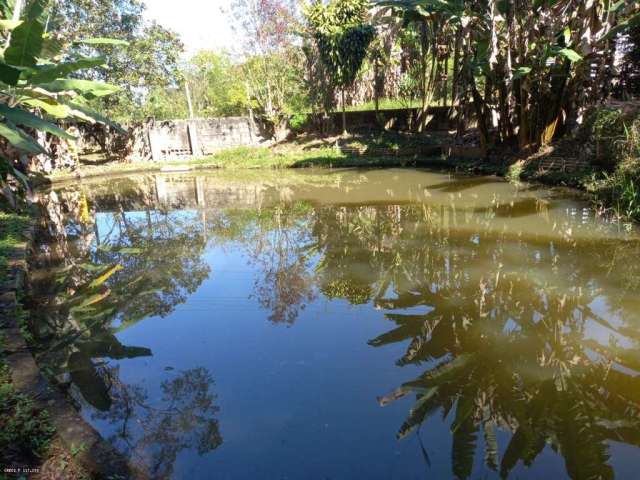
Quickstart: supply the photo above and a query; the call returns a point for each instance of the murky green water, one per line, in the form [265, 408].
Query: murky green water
[293, 325]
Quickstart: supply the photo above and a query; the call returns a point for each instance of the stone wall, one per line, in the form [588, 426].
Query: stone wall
[198, 137]
[161, 141]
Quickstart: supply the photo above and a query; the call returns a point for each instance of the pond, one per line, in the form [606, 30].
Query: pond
[342, 324]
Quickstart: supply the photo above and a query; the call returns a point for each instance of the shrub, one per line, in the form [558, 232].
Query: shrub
[620, 190]
[298, 122]
[514, 173]
[25, 431]
[605, 127]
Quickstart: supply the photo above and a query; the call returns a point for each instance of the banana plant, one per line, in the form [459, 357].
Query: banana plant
[37, 89]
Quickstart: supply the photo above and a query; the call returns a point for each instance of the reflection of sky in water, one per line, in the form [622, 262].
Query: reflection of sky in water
[298, 399]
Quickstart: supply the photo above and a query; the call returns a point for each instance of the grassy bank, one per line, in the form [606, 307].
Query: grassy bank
[25, 431]
[303, 152]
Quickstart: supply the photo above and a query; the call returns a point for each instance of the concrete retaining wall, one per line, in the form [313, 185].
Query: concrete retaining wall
[184, 138]
[160, 141]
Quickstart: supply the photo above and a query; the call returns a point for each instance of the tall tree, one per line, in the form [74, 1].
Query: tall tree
[149, 61]
[272, 70]
[342, 35]
[215, 85]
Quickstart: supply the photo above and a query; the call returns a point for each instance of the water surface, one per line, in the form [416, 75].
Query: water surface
[343, 324]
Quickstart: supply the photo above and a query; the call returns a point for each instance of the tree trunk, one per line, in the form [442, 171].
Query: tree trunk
[376, 83]
[344, 116]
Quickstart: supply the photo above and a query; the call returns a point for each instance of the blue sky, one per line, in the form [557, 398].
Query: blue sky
[201, 24]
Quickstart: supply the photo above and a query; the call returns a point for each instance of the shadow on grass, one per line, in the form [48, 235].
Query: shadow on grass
[369, 162]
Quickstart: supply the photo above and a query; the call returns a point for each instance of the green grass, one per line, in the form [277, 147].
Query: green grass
[262, 157]
[12, 226]
[305, 151]
[25, 431]
[619, 191]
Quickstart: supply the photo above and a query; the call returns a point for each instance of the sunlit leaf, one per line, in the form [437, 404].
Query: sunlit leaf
[28, 119]
[102, 41]
[105, 276]
[19, 139]
[570, 54]
[25, 44]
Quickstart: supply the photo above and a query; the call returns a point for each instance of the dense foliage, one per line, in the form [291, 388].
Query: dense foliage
[528, 67]
[148, 62]
[35, 83]
[342, 36]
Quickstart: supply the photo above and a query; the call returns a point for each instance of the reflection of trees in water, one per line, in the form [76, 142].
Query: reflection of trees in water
[506, 346]
[153, 433]
[96, 276]
[276, 241]
[500, 321]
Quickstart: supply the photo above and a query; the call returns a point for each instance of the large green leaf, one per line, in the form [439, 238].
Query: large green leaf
[632, 21]
[49, 73]
[102, 41]
[87, 88]
[28, 119]
[52, 107]
[19, 139]
[36, 9]
[93, 116]
[570, 54]
[9, 75]
[25, 45]
[52, 46]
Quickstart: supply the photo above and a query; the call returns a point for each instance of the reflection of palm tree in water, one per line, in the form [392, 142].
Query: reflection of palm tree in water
[152, 434]
[506, 348]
